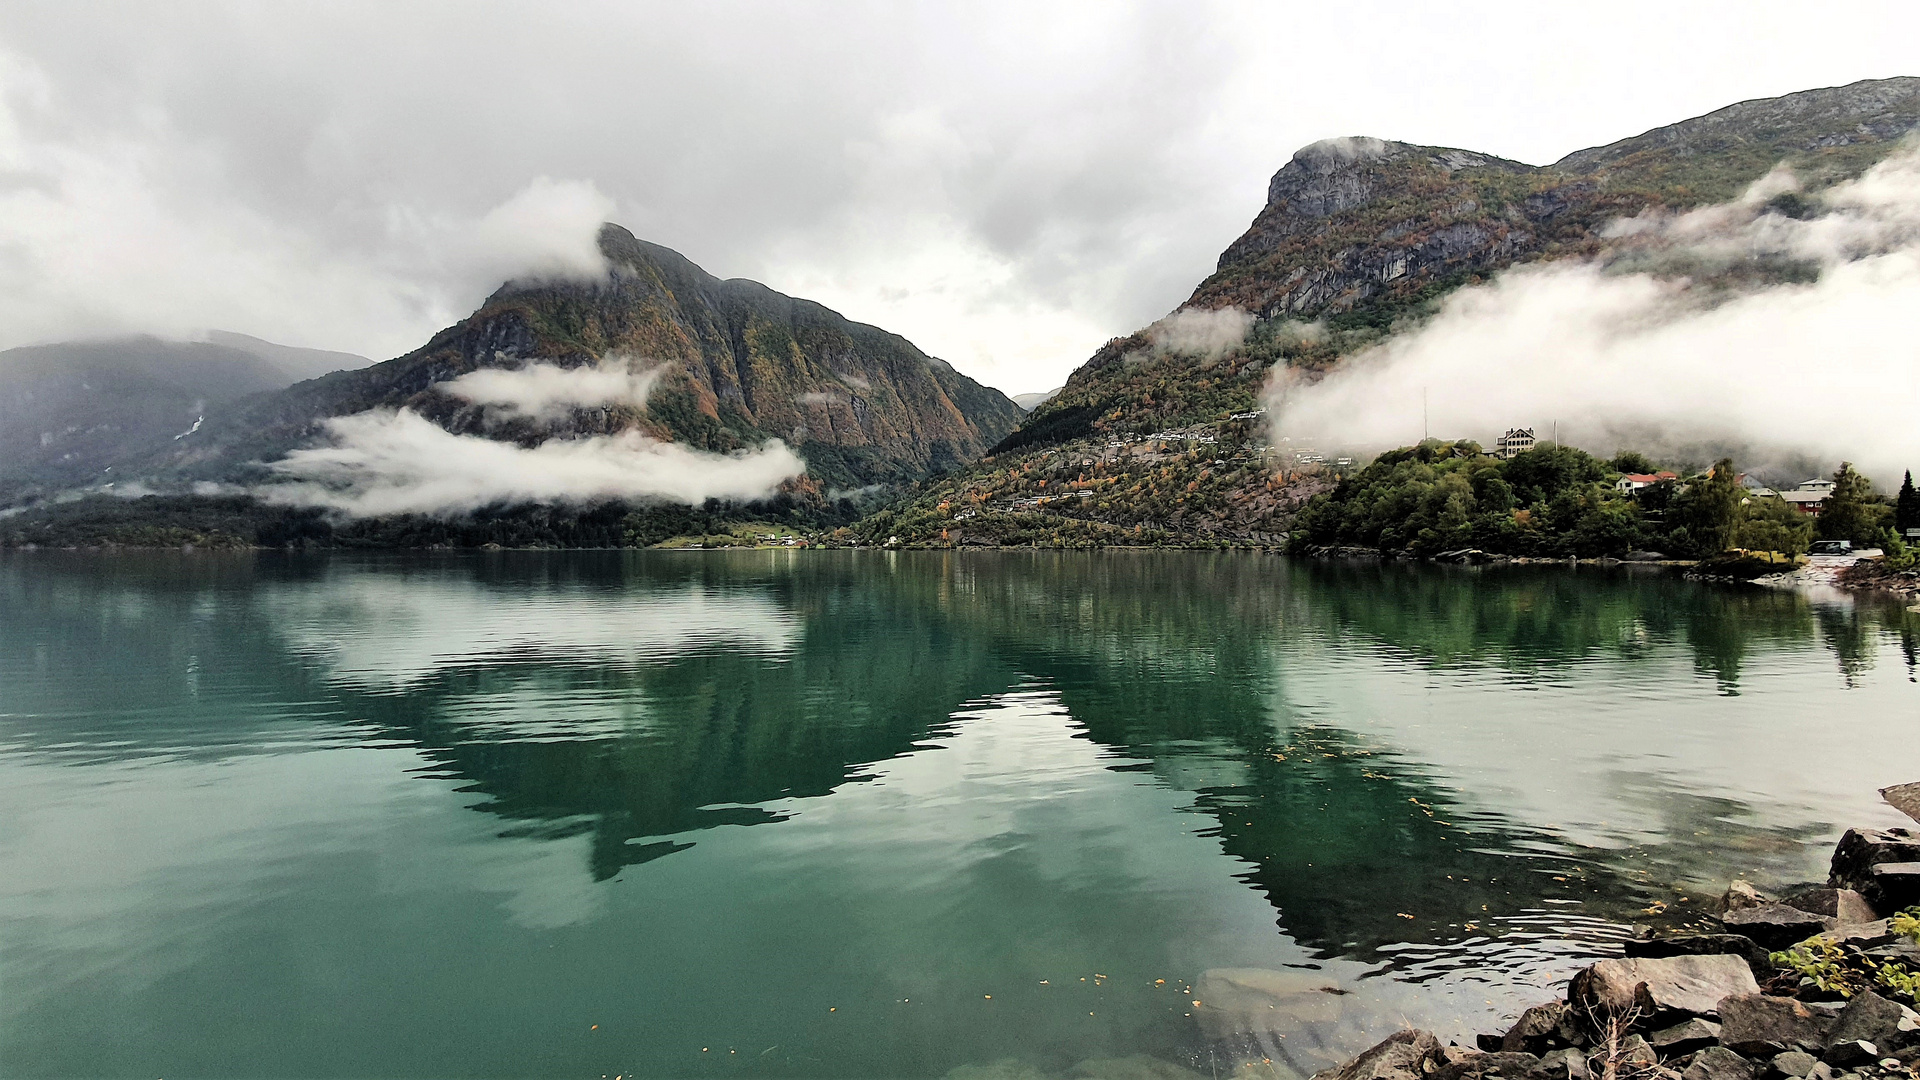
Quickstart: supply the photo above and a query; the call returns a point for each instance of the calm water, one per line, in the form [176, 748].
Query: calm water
[860, 814]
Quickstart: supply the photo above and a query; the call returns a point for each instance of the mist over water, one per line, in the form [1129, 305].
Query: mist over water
[877, 814]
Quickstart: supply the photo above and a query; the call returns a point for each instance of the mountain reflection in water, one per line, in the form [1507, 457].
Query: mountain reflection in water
[421, 814]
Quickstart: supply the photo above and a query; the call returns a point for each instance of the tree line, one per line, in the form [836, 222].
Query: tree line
[1560, 501]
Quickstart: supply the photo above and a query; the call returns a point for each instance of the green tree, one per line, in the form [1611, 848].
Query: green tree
[1632, 461]
[1906, 507]
[1769, 523]
[1539, 475]
[1852, 512]
[1706, 510]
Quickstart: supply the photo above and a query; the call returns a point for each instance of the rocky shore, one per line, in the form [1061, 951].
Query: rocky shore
[1818, 984]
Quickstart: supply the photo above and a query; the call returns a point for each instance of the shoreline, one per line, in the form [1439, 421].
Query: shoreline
[1863, 576]
[1818, 984]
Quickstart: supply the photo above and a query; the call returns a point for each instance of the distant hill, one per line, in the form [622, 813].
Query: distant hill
[296, 363]
[71, 412]
[1357, 235]
[1030, 402]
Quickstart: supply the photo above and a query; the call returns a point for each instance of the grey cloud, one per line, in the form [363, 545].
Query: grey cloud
[387, 462]
[1008, 185]
[1201, 332]
[544, 391]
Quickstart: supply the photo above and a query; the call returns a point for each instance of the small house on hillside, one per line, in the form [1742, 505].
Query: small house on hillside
[1810, 496]
[1633, 482]
[1515, 441]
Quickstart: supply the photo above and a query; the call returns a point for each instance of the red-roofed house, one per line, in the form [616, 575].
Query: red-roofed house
[1633, 482]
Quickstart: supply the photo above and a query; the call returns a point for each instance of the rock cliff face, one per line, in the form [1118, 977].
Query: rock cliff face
[1353, 223]
[741, 364]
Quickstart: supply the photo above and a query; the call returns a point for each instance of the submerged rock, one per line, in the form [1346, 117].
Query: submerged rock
[1241, 1001]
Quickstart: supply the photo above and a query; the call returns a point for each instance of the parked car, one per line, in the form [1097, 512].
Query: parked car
[1831, 547]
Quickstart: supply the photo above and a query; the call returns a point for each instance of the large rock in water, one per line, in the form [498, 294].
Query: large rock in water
[1775, 926]
[1860, 854]
[1663, 990]
[1400, 1056]
[1844, 906]
[1703, 945]
[1755, 1025]
[1904, 798]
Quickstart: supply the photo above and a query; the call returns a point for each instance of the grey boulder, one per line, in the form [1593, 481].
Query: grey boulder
[1793, 1063]
[1685, 1037]
[1845, 906]
[1718, 1063]
[1402, 1055]
[1775, 926]
[1868, 1017]
[1662, 989]
[1757, 1026]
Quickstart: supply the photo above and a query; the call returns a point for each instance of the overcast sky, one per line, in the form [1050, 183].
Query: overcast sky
[1007, 185]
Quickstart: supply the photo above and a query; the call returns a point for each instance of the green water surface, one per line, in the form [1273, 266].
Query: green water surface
[866, 814]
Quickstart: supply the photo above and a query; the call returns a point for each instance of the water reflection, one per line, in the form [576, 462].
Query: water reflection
[992, 774]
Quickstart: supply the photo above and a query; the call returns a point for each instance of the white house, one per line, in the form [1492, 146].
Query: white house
[1515, 441]
[1632, 482]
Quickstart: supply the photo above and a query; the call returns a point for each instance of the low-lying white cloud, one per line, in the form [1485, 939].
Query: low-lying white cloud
[1825, 369]
[1203, 332]
[398, 462]
[543, 391]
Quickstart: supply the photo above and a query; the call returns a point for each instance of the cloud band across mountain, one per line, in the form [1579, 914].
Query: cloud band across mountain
[395, 461]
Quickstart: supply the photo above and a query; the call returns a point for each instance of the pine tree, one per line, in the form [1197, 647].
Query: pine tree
[1906, 508]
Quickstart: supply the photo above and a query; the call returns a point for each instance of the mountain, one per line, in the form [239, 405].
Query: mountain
[70, 412]
[296, 363]
[739, 363]
[1358, 237]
